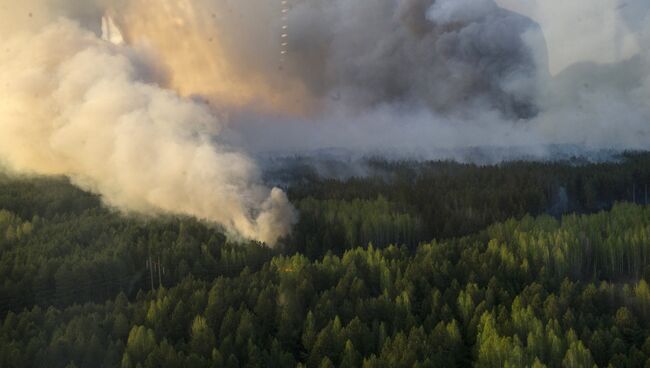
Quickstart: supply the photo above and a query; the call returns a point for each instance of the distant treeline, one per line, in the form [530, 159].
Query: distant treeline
[411, 202]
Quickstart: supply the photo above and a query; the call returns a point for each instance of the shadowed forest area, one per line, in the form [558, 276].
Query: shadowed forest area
[424, 264]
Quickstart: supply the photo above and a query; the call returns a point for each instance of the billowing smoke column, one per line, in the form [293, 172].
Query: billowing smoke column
[77, 105]
[445, 54]
[407, 74]
[155, 115]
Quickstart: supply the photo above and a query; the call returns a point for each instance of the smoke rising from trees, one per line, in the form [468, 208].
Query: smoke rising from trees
[165, 119]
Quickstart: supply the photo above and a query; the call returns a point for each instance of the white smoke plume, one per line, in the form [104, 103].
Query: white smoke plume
[76, 105]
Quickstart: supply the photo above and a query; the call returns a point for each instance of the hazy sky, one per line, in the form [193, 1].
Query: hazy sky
[603, 31]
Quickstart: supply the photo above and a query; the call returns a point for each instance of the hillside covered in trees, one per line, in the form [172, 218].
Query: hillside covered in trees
[413, 264]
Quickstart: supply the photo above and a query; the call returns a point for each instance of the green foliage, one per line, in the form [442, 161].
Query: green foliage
[343, 225]
[410, 202]
[360, 283]
[486, 300]
[94, 254]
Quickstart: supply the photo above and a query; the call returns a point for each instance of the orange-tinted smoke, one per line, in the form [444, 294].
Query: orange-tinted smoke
[211, 51]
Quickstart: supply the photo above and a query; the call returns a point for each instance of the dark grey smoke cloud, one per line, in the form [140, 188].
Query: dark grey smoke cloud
[420, 75]
[445, 55]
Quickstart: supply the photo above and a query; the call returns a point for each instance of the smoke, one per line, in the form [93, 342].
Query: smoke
[598, 60]
[160, 113]
[418, 75]
[442, 55]
[73, 104]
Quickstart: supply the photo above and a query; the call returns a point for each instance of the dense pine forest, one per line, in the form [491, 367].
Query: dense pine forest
[411, 264]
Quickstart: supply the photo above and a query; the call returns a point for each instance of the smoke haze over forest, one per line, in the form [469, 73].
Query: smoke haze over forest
[159, 106]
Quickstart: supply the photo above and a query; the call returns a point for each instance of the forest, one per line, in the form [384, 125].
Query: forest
[408, 264]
